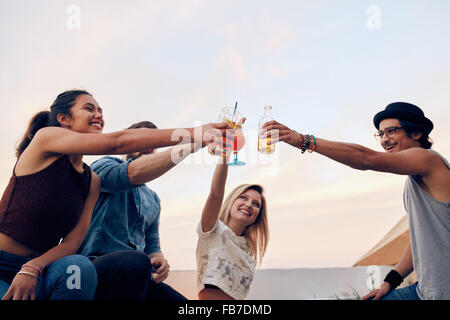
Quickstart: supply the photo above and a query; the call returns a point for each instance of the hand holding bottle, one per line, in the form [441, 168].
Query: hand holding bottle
[265, 143]
[285, 134]
[233, 140]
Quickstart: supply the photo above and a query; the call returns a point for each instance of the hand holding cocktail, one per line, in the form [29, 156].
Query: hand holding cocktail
[270, 132]
[235, 120]
[213, 134]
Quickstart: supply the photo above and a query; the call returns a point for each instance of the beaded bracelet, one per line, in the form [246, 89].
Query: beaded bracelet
[314, 146]
[306, 143]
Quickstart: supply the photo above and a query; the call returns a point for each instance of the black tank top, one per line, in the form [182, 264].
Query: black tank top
[39, 209]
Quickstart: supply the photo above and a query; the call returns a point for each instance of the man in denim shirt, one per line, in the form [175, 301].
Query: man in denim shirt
[123, 238]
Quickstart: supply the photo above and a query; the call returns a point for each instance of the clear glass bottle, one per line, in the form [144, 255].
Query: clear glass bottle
[263, 145]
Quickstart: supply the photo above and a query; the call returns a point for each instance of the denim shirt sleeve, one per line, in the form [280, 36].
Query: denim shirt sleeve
[113, 173]
[152, 239]
[152, 243]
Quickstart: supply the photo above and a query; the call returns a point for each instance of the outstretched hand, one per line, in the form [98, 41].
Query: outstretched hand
[285, 134]
[377, 294]
[217, 132]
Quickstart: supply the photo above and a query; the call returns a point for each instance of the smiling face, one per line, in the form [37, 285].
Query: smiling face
[400, 140]
[246, 207]
[86, 116]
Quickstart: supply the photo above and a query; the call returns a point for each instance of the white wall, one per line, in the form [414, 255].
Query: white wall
[298, 284]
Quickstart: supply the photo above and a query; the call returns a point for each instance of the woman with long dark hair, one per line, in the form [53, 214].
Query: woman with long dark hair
[46, 208]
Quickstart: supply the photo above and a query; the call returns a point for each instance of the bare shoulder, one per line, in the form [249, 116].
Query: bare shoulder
[36, 157]
[416, 151]
[440, 172]
[436, 169]
[421, 154]
[49, 132]
[438, 180]
[44, 136]
[412, 161]
[427, 157]
[436, 158]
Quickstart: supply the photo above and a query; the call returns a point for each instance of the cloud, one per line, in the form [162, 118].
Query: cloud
[236, 60]
[253, 39]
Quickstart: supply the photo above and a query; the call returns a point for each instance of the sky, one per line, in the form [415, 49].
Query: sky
[326, 67]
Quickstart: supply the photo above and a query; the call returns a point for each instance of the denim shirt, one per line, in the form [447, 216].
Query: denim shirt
[125, 217]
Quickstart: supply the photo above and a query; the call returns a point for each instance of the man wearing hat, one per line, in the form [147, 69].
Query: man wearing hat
[402, 130]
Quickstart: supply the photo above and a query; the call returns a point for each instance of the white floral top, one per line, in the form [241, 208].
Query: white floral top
[224, 260]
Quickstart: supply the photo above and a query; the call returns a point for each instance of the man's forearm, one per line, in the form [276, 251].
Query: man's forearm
[149, 167]
[405, 266]
[350, 154]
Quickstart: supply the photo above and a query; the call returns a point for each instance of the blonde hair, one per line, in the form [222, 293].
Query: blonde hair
[256, 234]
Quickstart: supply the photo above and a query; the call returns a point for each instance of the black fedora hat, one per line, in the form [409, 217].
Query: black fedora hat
[404, 111]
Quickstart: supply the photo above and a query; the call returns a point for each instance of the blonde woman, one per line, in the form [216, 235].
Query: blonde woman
[233, 237]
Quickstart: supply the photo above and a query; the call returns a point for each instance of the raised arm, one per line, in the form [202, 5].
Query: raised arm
[413, 161]
[149, 167]
[213, 204]
[65, 141]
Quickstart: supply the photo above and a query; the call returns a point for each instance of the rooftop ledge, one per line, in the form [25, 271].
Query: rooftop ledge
[298, 284]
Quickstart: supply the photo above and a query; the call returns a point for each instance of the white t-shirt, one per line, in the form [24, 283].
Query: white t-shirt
[224, 260]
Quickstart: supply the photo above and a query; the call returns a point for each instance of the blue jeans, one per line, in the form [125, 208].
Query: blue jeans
[69, 278]
[406, 293]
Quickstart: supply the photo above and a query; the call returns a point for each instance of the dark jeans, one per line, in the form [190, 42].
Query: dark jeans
[126, 275]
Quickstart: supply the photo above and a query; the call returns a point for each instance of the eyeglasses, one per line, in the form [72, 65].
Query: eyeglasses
[390, 133]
